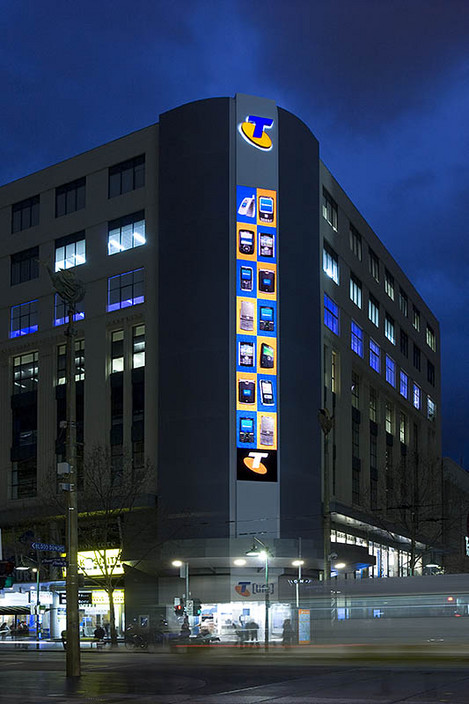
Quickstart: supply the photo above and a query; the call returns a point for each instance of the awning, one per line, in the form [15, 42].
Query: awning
[14, 610]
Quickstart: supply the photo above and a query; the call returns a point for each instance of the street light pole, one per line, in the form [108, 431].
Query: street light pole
[254, 551]
[326, 421]
[36, 569]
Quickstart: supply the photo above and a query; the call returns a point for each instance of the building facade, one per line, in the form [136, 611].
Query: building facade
[232, 291]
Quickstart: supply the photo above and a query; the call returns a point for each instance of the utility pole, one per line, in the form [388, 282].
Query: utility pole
[326, 421]
[71, 291]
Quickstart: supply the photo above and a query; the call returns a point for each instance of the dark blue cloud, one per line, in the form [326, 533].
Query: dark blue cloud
[382, 84]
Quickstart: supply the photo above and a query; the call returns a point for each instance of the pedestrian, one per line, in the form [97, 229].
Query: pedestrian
[4, 630]
[63, 636]
[251, 632]
[99, 633]
[287, 632]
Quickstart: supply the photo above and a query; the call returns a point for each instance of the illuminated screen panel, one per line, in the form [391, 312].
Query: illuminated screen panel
[256, 333]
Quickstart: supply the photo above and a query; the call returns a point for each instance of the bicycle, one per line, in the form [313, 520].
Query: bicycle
[136, 642]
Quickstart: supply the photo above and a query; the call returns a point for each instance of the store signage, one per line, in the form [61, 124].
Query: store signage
[97, 563]
[248, 589]
[256, 332]
[467, 546]
[101, 598]
[84, 598]
[253, 131]
[304, 626]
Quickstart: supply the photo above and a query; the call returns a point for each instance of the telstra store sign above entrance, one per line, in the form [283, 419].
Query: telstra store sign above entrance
[253, 130]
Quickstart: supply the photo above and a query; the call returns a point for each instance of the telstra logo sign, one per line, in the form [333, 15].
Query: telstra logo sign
[253, 130]
[253, 462]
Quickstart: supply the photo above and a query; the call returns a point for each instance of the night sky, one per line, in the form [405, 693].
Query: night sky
[383, 84]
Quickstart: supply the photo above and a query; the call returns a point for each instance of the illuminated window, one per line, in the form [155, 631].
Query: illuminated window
[25, 373]
[61, 311]
[329, 209]
[79, 362]
[25, 214]
[330, 263]
[138, 345]
[70, 251]
[356, 341]
[430, 338]
[355, 290]
[331, 314]
[415, 318]
[355, 242]
[431, 409]
[126, 233]
[23, 319]
[70, 197]
[375, 356]
[390, 371]
[389, 284]
[373, 404]
[403, 303]
[403, 384]
[127, 176]
[24, 266]
[404, 343]
[373, 264]
[125, 290]
[389, 423]
[416, 396]
[373, 310]
[117, 351]
[416, 357]
[403, 428]
[389, 328]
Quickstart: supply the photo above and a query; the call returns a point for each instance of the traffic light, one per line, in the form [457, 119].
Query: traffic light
[6, 568]
[179, 608]
[197, 607]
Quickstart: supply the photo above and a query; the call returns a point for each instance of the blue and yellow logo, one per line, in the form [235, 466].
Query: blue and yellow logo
[253, 129]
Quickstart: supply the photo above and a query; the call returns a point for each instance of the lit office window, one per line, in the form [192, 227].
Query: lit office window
[331, 314]
[330, 263]
[403, 303]
[329, 209]
[389, 284]
[416, 318]
[390, 371]
[375, 356]
[416, 396]
[126, 233]
[355, 242]
[23, 319]
[79, 362]
[356, 340]
[373, 404]
[70, 197]
[389, 423]
[430, 338]
[373, 310]
[125, 290]
[61, 311]
[70, 251]
[127, 176]
[373, 264]
[25, 214]
[402, 428]
[25, 373]
[403, 384]
[355, 390]
[138, 346]
[431, 409]
[355, 290]
[389, 328]
[117, 351]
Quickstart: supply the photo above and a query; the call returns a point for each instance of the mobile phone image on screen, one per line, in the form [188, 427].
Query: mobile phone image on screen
[266, 319]
[246, 391]
[267, 356]
[246, 429]
[246, 241]
[266, 209]
[246, 354]
[267, 392]
[267, 280]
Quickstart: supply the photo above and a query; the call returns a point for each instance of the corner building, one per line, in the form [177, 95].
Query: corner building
[232, 291]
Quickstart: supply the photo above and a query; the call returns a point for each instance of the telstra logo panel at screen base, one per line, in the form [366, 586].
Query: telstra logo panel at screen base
[257, 465]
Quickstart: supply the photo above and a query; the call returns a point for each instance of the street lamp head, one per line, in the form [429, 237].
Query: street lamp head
[298, 563]
[340, 565]
[253, 551]
[239, 562]
[177, 563]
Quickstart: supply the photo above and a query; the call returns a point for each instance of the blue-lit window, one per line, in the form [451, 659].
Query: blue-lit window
[417, 396]
[23, 319]
[61, 311]
[431, 409]
[375, 356]
[126, 233]
[330, 263]
[390, 371]
[403, 384]
[331, 314]
[356, 339]
[389, 330]
[125, 290]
